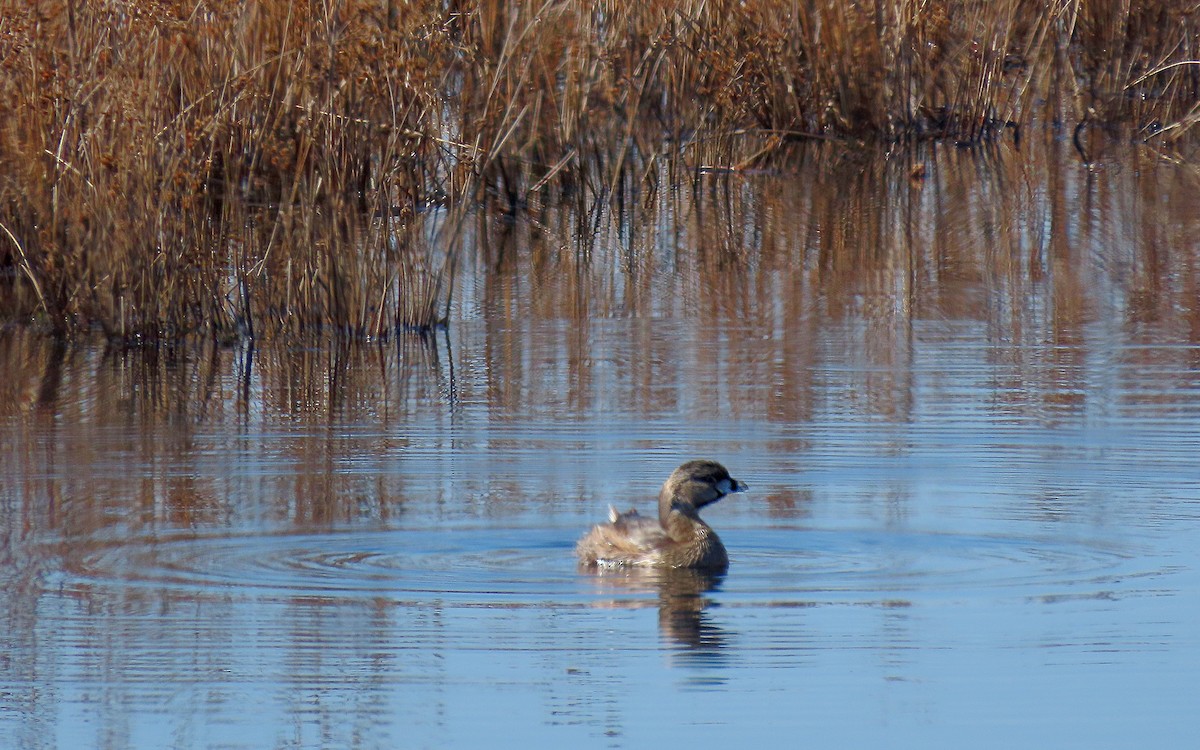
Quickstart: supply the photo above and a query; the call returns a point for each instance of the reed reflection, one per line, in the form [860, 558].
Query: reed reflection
[766, 264]
[193, 435]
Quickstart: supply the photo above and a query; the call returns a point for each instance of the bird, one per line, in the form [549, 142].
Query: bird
[678, 538]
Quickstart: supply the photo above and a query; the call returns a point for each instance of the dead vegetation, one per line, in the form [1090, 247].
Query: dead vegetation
[257, 169]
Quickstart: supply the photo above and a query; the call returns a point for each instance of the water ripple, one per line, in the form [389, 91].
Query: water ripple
[534, 567]
[395, 563]
[887, 566]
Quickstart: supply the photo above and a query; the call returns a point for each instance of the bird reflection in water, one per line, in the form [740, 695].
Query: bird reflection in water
[682, 598]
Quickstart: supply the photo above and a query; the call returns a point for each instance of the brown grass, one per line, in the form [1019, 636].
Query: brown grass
[253, 169]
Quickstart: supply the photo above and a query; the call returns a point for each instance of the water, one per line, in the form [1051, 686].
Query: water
[969, 419]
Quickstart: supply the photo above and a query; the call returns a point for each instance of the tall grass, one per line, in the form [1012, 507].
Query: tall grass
[254, 169]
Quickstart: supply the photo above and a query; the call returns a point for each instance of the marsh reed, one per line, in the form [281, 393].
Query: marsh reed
[280, 168]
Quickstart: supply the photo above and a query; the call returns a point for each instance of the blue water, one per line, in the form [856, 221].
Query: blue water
[974, 516]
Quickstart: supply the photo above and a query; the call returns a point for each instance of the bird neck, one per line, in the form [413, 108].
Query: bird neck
[683, 524]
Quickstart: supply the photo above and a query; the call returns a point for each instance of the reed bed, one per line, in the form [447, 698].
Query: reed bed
[258, 169]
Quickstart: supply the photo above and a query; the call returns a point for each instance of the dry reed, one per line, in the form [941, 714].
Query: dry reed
[251, 169]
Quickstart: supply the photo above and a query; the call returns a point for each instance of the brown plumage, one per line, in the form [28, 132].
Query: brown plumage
[678, 539]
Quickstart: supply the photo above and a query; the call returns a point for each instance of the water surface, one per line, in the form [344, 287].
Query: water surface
[968, 408]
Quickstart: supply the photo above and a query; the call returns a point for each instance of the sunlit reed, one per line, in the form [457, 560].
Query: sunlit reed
[254, 169]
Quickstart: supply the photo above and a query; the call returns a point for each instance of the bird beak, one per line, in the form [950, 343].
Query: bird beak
[732, 486]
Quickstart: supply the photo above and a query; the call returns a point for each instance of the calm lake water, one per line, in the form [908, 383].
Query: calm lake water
[968, 409]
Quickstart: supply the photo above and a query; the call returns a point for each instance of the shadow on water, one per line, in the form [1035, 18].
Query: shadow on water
[967, 396]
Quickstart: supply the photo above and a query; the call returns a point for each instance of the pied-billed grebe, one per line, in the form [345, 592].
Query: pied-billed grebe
[678, 539]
